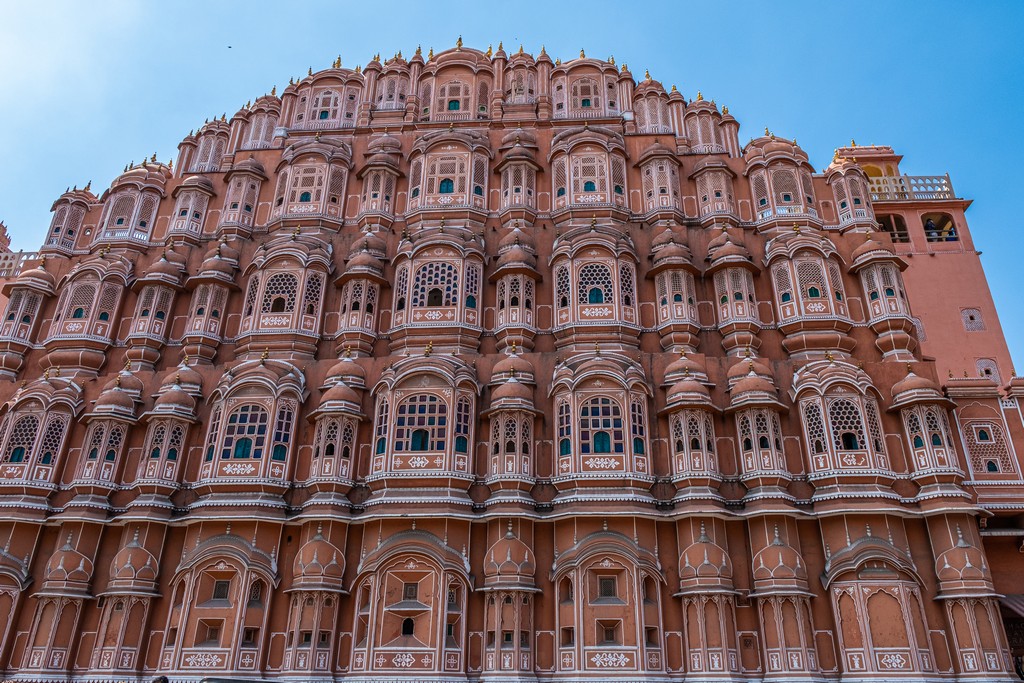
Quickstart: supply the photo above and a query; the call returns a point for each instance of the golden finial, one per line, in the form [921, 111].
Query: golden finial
[127, 365]
[291, 81]
[265, 355]
[583, 55]
[853, 143]
[153, 158]
[796, 228]
[965, 374]
[513, 347]
[611, 59]
[490, 52]
[184, 360]
[248, 104]
[309, 72]
[558, 61]
[520, 48]
[593, 222]
[317, 136]
[625, 67]
[725, 110]
[348, 350]
[399, 55]
[177, 379]
[766, 131]
[458, 43]
[430, 55]
[88, 186]
[376, 57]
[430, 348]
[223, 117]
[337, 62]
[46, 374]
[910, 369]
[451, 126]
[647, 74]
[674, 88]
[419, 51]
[359, 68]
[700, 96]
[835, 155]
[501, 46]
[829, 357]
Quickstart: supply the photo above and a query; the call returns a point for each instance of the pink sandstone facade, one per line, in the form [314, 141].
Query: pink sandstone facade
[489, 367]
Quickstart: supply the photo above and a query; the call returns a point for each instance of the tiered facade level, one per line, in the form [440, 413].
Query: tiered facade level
[482, 366]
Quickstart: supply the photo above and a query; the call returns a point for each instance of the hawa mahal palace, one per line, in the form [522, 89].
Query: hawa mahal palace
[484, 366]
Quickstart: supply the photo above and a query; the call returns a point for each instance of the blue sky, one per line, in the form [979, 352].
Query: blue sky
[87, 87]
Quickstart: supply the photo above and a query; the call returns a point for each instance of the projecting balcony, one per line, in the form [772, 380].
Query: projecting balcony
[324, 124]
[852, 215]
[585, 113]
[769, 212]
[60, 243]
[455, 116]
[911, 188]
[705, 149]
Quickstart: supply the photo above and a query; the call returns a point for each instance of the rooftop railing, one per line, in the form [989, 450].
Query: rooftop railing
[911, 188]
[11, 262]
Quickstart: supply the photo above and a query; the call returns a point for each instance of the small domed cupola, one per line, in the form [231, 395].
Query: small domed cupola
[704, 566]
[509, 563]
[319, 565]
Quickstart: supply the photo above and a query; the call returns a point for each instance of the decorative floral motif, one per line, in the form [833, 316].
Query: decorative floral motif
[602, 463]
[404, 660]
[203, 660]
[610, 659]
[893, 660]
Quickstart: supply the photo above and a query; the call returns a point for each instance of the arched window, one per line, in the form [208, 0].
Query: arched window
[408, 626]
[453, 105]
[245, 435]
[595, 283]
[21, 437]
[847, 423]
[589, 186]
[280, 293]
[601, 427]
[421, 424]
[243, 448]
[436, 284]
[446, 186]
